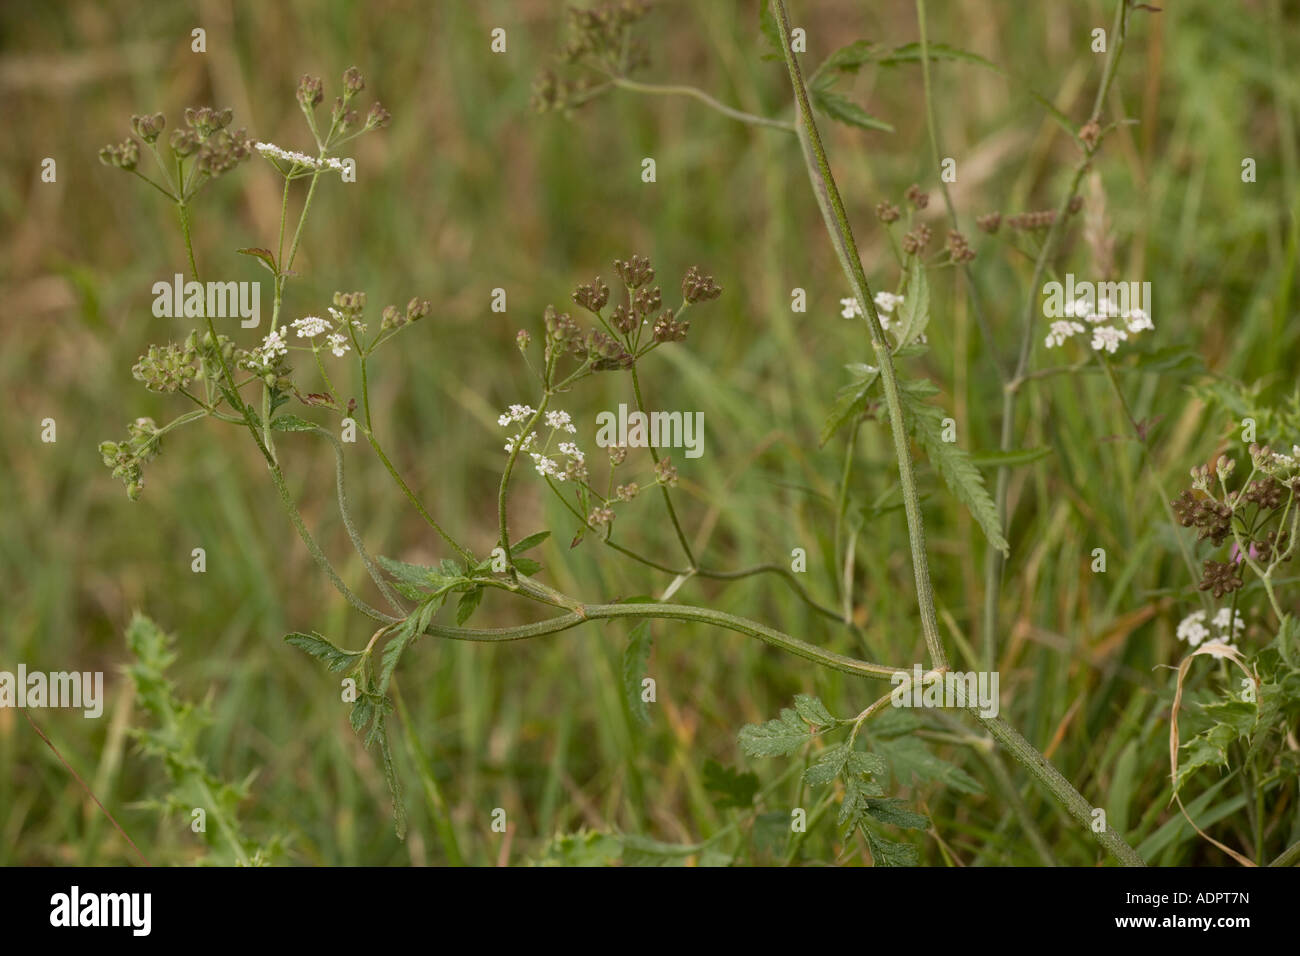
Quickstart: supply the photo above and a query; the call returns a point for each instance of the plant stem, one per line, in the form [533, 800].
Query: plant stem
[828, 197]
[705, 98]
[668, 500]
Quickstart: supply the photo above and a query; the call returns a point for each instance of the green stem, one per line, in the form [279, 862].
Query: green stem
[668, 499]
[705, 98]
[828, 197]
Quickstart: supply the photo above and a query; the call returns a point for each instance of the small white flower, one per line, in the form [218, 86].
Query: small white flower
[547, 466]
[310, 326]
[1192, 628]
[1107, 337]
[1222, 618]
[887, 301]
[572, 450]
[1079, 308]
[272, 345]
[515, 413]
[338, 344]
[1062, 330]
[561, 420]
[850, 309]
[1106, 309]
[359, 326]
[528, 442]
[1138, 321]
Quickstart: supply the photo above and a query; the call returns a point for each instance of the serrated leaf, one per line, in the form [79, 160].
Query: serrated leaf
[911, 53]
[732, 788]
[775, 738]
[363, 712]
[895, 813]
[887, 853]
[857, 790]
[332, 657]
[527, 566]
[844, 110]
[532, 541]
[292, 423]
[394, 785]
[868, 763]
[914, 311]
[952, 463]
[847, 59]
[850, 402]
[468, 604]
[830, 764]
[636, 661]
[813, 710]
[911, 761]
[1009, 459]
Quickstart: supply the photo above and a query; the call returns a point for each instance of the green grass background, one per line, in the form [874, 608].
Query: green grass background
[469, 190]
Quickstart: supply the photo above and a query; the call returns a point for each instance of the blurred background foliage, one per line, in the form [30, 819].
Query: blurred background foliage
[469, 190]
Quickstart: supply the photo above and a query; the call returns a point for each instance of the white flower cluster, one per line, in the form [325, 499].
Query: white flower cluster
[1226, 623]
[338, 344]
[272, 345]
[356, 323]
[271, 151]
[886, 302]
[310, 326]
[1104, 337]
[557, 421]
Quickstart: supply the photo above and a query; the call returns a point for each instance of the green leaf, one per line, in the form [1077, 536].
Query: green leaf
[914, 312]
[813, 710]
[895, 813]
[857, 791]
[643, 851]
[953, 463]
[830, 764]
[584, 848]
[636, 661]
[847, 59]
[417, 582]
[849, 403]
[1009, 459]
[527, 566]
[264, 256]
[912, 761]
[363, 712]
[777, 737]
[770, 29]
[292, 423]
[332, 657]
[468, 604]
[532, 541]
[911, 53]
[1062, 120]
[731, 787]
[394, 785]
[887, 853]
[844, 110]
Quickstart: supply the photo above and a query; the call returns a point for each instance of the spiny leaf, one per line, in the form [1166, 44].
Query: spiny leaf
[636, 660]
[844, 110]
[952, 463]
[332, 657]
